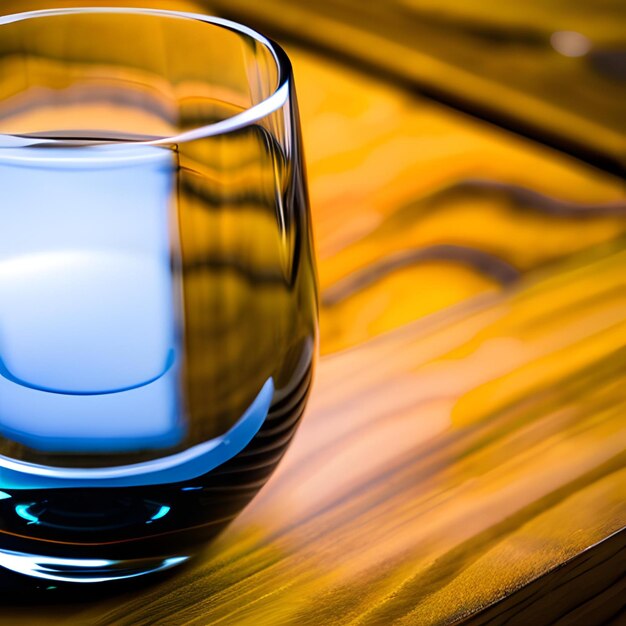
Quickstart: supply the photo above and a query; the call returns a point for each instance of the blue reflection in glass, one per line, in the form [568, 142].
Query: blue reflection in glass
[88, 303]
[186, 465]
[23, 511]
[162, 512]
[89, 319]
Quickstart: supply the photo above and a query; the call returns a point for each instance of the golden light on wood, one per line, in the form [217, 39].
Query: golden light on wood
[466, 434]
[405, 496]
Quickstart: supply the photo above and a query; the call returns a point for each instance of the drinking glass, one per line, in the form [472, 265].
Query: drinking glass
[157, 285]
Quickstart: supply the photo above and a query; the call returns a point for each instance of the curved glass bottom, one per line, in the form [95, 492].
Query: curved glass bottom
[79, 531]
[84, 570]
[186, 465]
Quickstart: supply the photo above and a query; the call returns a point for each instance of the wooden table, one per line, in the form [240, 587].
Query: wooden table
[463, 456]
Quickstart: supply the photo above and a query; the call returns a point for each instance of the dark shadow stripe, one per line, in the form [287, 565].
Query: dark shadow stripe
[526, 198]
[482, 110]
[484, 263]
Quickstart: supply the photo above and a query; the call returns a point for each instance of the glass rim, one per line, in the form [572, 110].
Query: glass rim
[262, 109]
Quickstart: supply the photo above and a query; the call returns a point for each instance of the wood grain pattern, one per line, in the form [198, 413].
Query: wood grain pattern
[402, 177]
[493, 60]
[395, 177]
[588, 589]
[407, 497]
[463, 460]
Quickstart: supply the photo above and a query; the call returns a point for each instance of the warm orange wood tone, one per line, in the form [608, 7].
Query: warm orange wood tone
[463, 455]
[440, 468]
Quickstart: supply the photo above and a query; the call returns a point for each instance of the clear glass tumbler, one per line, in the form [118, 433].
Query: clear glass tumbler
[157, 285]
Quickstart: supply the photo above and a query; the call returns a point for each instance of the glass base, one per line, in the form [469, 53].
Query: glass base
[84, 570]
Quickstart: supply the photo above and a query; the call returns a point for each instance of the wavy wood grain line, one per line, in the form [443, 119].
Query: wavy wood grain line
[433, 477]
[393, 175]
[468, 466]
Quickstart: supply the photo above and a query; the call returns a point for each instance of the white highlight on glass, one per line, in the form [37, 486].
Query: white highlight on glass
[262, 109]
[46, 567]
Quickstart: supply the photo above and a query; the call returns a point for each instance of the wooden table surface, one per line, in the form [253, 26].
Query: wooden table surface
[463, 456]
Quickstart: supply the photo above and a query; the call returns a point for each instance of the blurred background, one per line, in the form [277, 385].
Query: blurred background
[454, 149]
